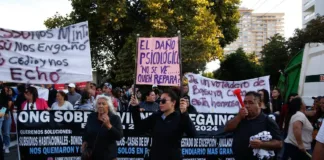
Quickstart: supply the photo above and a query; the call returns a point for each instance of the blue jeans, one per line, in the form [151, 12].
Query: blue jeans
[6, 126]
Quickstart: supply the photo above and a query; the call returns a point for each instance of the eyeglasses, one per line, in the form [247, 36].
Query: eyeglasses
[163, 101]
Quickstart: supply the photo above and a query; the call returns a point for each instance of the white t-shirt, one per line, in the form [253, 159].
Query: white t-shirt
[320, 135]
[30, 106]
[66, 106]
[306, 133]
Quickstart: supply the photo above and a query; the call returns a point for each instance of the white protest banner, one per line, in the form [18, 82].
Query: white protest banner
[216, 96]
[42, 92]
[46, 57]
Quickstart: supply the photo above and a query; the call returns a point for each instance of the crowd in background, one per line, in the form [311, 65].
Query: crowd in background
[299, 123]
[292, 117]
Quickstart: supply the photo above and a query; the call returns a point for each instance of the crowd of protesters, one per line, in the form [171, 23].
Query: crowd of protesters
[295, 130]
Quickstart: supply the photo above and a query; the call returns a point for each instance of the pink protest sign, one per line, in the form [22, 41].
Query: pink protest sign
[158, 61]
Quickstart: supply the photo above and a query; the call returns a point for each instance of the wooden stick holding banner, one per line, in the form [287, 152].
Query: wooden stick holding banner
[180, 63]
[135, 69]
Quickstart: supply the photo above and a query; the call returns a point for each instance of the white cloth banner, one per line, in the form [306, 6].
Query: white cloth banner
[46, 57]
[216, 96]
[42, 92]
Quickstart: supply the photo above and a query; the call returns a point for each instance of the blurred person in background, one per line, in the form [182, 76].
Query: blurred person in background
[20, 97]
[52, 92]
[186, 106]
[265, 101]
[62, 102]
[284, 120]
[85, 103]
[107, 90]
[149, 103]
[318, 153]
[317, 118]
[73, 96]
[276, 103]
[5, 121]
[185, 89]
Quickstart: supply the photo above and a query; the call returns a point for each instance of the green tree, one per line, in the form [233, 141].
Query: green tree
[227, 16]
[208, 74]
[113, 27]
[238, 66]
[274, 57]
[311, 34]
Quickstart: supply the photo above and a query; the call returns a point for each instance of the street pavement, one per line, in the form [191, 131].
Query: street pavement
[13, 155]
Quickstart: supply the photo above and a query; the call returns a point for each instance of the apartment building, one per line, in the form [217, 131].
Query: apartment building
[310, 9]
[255, 29]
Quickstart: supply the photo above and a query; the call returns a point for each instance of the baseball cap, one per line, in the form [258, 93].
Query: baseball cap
[317, 98]
[154, 86]
[71, 85]
[108, 85]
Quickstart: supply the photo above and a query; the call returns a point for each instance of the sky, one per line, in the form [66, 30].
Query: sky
[28, 15]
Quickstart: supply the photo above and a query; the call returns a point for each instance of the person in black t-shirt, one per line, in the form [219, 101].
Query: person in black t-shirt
[51, 95]
[249, 122]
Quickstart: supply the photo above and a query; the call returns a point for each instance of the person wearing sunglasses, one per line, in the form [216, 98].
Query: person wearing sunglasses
[32, 101]
[166, 126]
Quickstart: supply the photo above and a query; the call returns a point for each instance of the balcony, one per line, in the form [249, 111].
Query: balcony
[309, 6]
[309, 3]
[309, 16]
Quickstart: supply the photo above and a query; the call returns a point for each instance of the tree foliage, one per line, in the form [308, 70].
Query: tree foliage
[208, 74]
[274, 57]
[311, 34]
[277, 53]
[205, 25]
[238, 66]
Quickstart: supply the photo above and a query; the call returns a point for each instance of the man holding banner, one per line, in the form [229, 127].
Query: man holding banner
[249, 122]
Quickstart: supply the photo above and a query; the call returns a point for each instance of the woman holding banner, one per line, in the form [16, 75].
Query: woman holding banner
[167, 127]
[102, 131]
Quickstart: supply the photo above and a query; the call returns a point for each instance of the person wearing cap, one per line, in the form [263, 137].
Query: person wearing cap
[73, 96]
[107, 91]
[155, 87]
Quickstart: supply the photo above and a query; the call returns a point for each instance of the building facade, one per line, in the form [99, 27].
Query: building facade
[310, 9]
[255, 29]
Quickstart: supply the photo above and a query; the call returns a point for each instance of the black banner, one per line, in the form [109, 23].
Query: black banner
[57, 135]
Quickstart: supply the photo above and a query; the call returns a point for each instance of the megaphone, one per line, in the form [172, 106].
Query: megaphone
[237, 92]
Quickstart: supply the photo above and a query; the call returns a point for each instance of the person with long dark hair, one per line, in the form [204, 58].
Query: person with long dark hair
[265, 99]
[166, 126]
[299, 138]
[276, 102]
[85, 103]
[21, 96]
[284, 119]
[33, 102]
